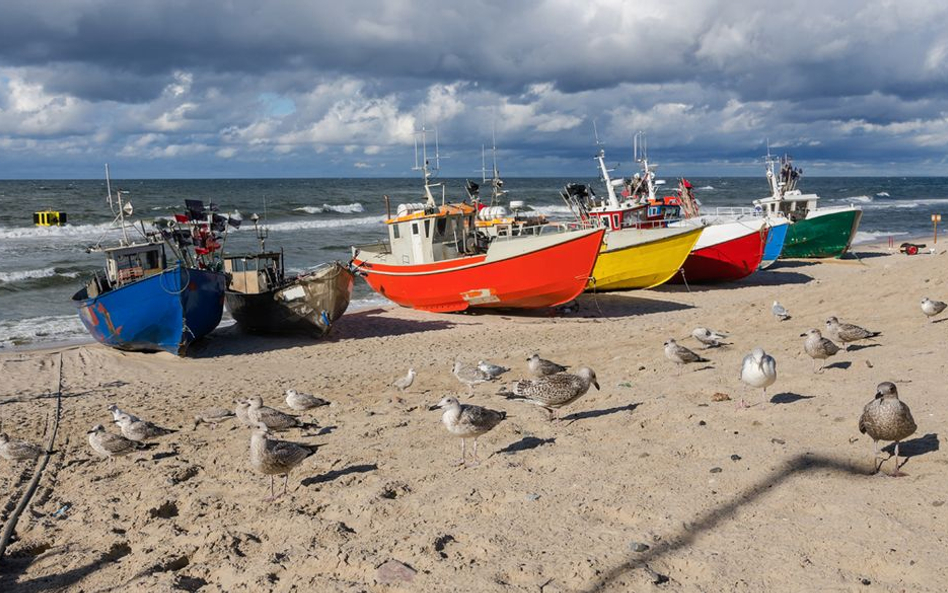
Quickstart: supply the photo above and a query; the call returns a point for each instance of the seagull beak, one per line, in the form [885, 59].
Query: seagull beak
[596, 383]
[802, 335]
[434, 407]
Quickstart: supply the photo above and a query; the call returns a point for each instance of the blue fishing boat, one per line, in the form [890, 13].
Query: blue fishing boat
[141, 303]
[144, 302]
[775, 239]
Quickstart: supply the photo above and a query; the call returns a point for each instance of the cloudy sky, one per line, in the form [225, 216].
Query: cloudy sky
[317, 88]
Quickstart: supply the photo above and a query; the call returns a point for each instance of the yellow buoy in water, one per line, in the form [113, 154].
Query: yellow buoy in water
[49, 218]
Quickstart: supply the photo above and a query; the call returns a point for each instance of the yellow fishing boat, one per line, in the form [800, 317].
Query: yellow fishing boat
[641, 258]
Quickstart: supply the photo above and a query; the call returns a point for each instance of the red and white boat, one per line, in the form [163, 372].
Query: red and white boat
[725, 251]
[435, 260]
[729, 248]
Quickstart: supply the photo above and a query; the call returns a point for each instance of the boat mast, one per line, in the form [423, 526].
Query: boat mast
[640, 154]
[123, 209]
[772, 175]
[604, 172]
[426, 171]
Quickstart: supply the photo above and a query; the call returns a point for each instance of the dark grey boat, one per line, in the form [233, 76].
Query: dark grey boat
[262, 299]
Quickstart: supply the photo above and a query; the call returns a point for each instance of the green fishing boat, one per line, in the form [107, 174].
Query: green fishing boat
[814, 231]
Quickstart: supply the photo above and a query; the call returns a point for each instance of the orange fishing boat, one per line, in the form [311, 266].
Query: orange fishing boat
[435, 260]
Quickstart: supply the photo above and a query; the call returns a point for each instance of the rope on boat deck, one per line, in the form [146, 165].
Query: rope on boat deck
[31, 489]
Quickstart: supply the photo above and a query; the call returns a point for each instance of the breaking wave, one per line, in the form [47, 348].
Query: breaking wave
[352, 208]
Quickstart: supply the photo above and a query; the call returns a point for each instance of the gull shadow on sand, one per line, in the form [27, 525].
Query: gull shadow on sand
[789, 398]
[839, 365]
[525, 444]
[338, 473]
[598, 413]
[706, 521]
[858, 347]
[915, 447]
[13, 567]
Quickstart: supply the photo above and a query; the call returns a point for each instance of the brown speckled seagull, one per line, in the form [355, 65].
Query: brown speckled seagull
[555, 391]
[467, 422]
[887, 418]
[272, 457]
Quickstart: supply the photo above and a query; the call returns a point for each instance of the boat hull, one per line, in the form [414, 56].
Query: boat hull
[725, 252]
[776, 237]
[167, 311]
[822, 235]
[309, 306]
[521, 273]
[630, 259]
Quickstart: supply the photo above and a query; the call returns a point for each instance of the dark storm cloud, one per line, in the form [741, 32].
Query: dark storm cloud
[243, 81]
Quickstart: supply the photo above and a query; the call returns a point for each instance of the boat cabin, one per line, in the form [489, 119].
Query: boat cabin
[420, 235]
[124, 265]
[793, 205]
[49, 218]
[255, 274]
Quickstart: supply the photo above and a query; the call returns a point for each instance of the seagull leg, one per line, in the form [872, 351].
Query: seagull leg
[475, 460]
[286, 478]
[272, 497]
[875, 457]
[462, 453]
[897, 473]
[764, 392]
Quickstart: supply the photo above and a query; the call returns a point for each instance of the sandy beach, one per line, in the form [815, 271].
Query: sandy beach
[648, 484]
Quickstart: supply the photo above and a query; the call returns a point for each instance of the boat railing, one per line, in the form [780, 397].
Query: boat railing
[733, 211]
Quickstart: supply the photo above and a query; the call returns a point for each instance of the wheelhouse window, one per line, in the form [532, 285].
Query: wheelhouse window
[414, 228]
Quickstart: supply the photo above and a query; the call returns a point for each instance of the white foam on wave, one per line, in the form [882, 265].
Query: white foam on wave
[57, 232]
[552, 210]
[706, 188]
[352, 208]
[324, 224]
[860, 199]
[882, 194]
[20, 275]
[872, 236]
[34, 330]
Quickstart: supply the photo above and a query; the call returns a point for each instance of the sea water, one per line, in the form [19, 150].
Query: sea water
[318, 220]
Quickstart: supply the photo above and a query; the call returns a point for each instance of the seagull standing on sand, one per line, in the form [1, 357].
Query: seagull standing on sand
[140, 430]
[681, 355]
[18, 450]
[403, 383]
[554, 391]
[118, 412]
[932, 308]
[467, 422]
[276, 458]
[274, 419]
[541, 367]
[242, 411]
[886, 418]
[847, 332]
[780, 312]
[213, 416]
[758, 369]
[708, 337]
[110, 445]
[303, 401]
[818, 347]
[491, 370]
[469, 375]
